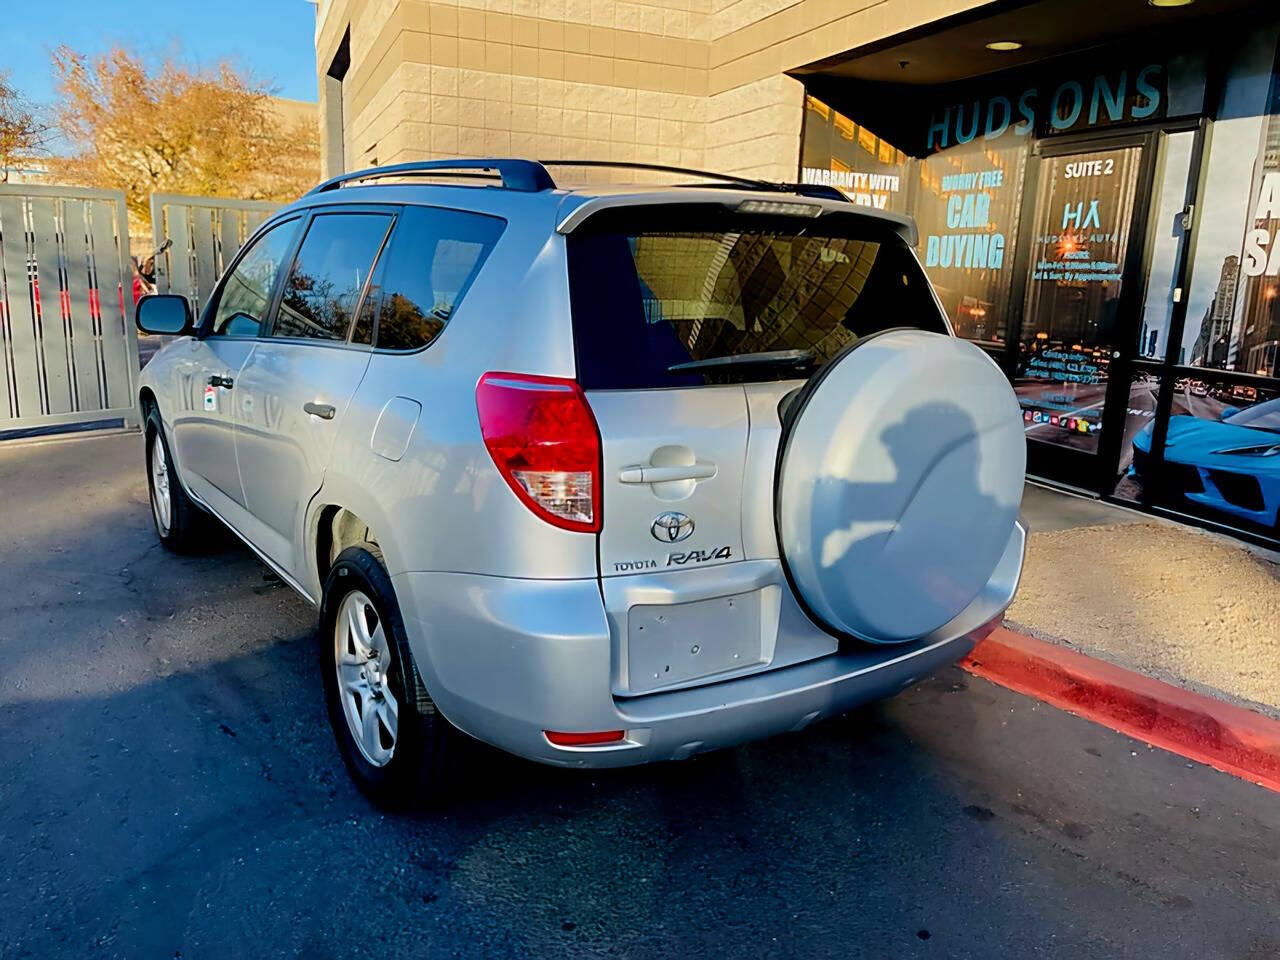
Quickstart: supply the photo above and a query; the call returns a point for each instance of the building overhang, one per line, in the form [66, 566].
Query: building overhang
[889, 84]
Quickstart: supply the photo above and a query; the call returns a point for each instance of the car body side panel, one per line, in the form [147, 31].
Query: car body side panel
[201, 440]
[164, 375]
[443, 506]
[282, 450]
[204, 430]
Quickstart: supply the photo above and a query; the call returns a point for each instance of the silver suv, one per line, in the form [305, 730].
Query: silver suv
[596, 475]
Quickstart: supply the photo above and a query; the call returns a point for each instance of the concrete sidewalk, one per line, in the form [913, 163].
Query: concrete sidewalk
[1176, 603]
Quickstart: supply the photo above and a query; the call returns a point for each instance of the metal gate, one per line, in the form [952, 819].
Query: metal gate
[204, 234]
[70, 353]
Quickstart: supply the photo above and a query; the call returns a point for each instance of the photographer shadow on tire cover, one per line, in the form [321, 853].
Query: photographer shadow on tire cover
[899, 484]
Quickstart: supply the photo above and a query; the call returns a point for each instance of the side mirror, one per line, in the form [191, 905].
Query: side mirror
[167, 313]
[1228, 412]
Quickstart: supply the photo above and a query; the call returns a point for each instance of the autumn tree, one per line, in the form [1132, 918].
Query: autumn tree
[22, 131]
[205, 130]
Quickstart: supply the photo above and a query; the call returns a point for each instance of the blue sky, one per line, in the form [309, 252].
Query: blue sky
[272, 39]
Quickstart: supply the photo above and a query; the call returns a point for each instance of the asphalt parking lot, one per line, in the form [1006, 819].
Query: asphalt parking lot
[170, 789]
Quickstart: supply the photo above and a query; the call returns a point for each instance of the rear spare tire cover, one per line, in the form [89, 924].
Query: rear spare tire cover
[899, 484]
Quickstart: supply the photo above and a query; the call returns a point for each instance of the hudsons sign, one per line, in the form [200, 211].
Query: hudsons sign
[1075, 103]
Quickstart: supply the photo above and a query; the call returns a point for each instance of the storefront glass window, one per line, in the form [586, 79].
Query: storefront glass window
[1171, 200]
[1144, 393]
[1083, 225]
[967, 208]
[843, 154]
[1233, 314]
[966, 201]
[962, 173]
[1221, 458]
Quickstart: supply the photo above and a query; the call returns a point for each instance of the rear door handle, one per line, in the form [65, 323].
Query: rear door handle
[224, 382]
[324, 411]
[644, 473]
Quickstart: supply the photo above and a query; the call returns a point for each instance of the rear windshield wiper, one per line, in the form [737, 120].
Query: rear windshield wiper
[765, 358]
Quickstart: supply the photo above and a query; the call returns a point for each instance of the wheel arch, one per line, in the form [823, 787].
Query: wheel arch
[335, 528]
[146, 403]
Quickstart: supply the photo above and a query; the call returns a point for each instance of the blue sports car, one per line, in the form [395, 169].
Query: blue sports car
[1231, 465]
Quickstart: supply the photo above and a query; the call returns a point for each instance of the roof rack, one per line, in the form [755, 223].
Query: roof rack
[527, 176]
[531, 176]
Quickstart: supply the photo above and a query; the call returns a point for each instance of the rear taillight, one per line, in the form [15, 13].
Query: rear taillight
[543, 438]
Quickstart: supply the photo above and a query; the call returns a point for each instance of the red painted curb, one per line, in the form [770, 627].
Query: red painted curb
[1221, 735]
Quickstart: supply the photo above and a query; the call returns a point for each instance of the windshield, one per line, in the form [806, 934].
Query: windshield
[647, 302]
[1263, 416]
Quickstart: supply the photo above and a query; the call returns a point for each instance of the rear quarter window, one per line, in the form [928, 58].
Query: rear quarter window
[430, 262]
[658, 292]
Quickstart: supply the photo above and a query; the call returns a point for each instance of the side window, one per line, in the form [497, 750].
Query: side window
[433, 257]
[323, 288]
[246, 294]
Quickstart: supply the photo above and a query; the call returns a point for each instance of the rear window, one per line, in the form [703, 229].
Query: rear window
[659, 290]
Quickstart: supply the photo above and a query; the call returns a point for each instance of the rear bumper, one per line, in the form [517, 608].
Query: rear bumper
[507, 659]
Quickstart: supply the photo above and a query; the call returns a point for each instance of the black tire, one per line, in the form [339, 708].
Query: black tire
[424, 742]
[189, 528]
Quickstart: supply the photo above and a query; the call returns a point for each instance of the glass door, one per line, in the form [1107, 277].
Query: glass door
[1071, 368]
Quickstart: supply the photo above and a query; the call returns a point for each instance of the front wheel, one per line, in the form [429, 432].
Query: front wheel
[393, 740]
[181, 525]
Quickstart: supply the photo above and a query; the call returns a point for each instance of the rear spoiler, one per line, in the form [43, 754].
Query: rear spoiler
[576, 210]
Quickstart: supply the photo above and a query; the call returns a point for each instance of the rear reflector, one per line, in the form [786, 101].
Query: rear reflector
[544, 441]
[584, 739]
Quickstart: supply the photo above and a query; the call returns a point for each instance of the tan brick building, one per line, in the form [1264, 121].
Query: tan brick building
[698, 83]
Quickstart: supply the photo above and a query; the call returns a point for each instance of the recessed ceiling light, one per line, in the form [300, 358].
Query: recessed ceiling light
[1170, 3]
[1004, 45]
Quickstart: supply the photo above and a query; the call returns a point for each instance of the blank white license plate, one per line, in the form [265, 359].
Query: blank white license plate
[676, 643]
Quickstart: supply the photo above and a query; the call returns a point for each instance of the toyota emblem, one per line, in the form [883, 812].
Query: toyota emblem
[672, 527]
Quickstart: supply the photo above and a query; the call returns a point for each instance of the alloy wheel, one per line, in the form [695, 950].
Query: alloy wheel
[161, 499]
[363, 661]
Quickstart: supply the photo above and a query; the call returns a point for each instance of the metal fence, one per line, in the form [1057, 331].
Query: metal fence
[69, 350]
[204, 234]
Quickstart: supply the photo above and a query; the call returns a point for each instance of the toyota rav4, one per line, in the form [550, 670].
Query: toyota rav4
[597, 475]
